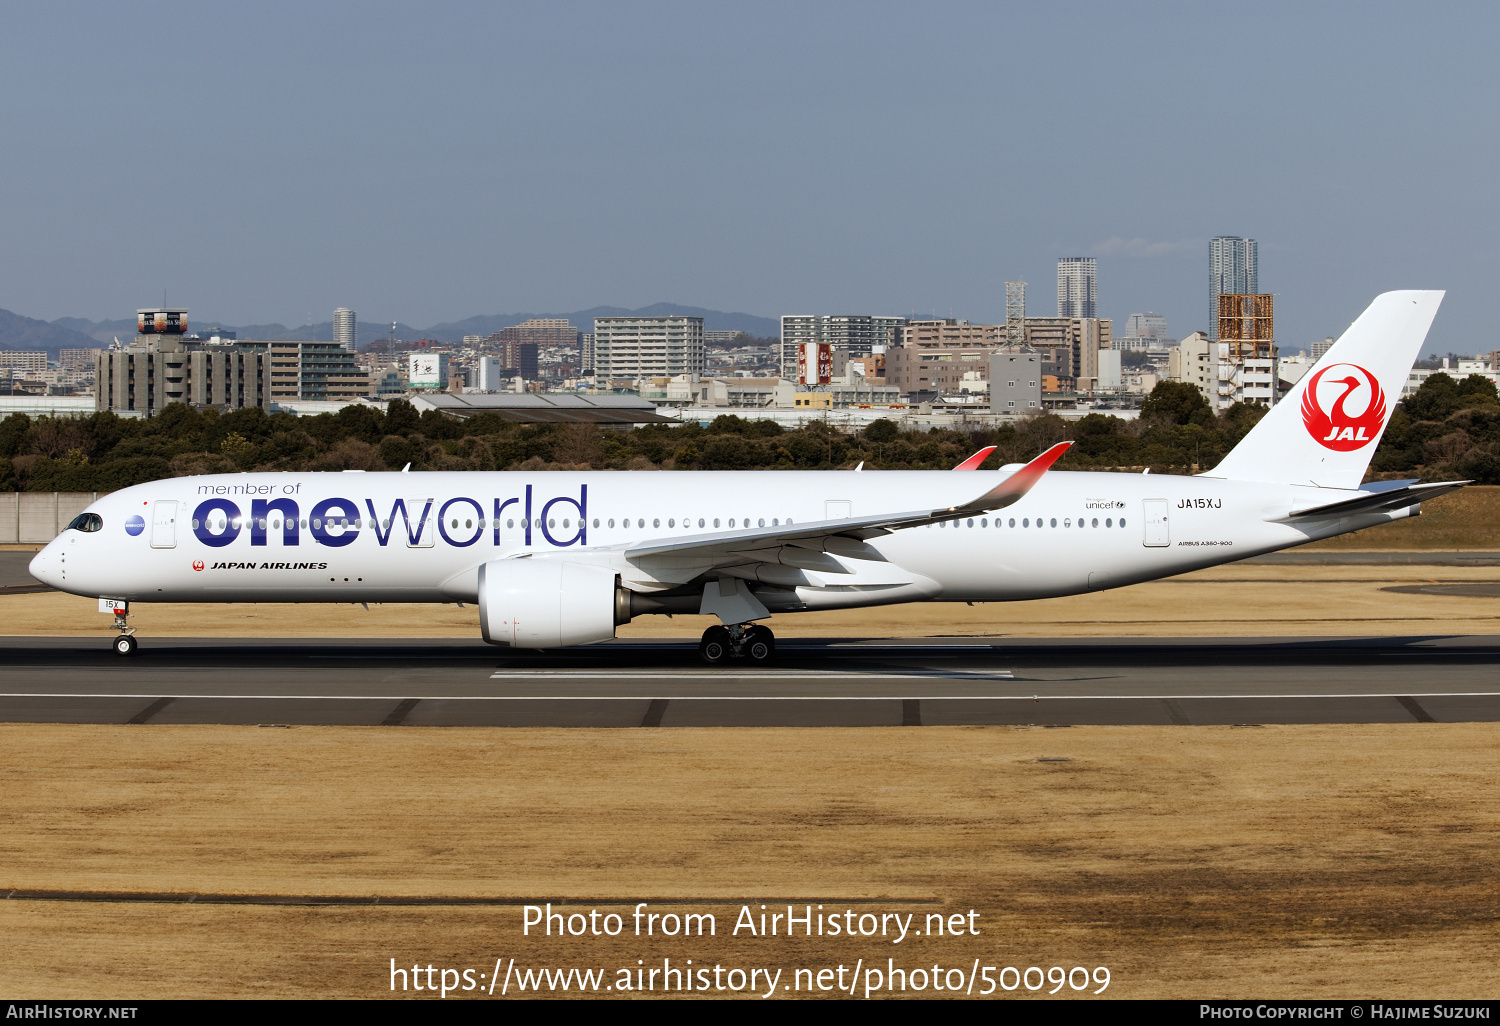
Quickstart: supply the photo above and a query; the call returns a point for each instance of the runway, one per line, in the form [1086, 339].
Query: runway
[814, 682]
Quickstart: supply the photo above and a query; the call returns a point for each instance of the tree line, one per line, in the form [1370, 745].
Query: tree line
[1447, 430]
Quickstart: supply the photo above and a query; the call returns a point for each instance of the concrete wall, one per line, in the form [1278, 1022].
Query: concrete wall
[38, 517]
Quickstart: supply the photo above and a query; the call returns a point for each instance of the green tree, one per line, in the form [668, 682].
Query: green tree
[1176, 401]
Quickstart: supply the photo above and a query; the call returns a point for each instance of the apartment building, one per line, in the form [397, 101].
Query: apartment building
[944, 356]
[633, 348]
[160, 369]
[312, 370]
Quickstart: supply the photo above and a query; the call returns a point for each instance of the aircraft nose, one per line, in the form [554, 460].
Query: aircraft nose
[40, 566]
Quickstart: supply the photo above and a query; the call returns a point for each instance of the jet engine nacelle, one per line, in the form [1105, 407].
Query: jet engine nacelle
[544, 603]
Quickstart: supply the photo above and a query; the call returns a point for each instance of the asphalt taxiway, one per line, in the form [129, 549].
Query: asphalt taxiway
[813, 682]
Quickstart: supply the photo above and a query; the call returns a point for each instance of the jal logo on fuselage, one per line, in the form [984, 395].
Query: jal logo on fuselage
[1344, 407]
[336, 522]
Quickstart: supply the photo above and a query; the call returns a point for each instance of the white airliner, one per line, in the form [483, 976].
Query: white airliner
[562, 558]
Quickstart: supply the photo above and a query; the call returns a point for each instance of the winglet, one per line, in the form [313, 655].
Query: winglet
[973, 462]
[1014, 488]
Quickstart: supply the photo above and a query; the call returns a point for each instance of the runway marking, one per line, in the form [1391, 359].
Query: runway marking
[757, 698]
[771, 675]
[196, 898]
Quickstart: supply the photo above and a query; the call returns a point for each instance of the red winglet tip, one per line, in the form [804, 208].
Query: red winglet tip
[973, 462]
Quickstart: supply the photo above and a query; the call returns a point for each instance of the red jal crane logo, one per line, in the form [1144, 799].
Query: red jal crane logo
[1334, 426]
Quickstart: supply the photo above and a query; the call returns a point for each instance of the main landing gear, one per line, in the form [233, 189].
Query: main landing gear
[125, 644]
[738, 641]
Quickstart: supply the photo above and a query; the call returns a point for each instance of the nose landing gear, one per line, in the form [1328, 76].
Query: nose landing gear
[125, 644]
[737, 641]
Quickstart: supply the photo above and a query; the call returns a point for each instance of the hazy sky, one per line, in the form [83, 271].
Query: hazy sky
[432, 161]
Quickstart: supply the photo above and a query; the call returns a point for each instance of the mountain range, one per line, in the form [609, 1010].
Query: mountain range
[18, 332]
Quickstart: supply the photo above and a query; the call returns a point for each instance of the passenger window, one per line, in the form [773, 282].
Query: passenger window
[1012, 522]
[510, 523]
[762, 521]
[671, 522]
[1054, 521]
[1108, 522]
[1024, 522]
[716, 521]
[700, 522]
[656, 522]
[1122, 521]
[1096, 522]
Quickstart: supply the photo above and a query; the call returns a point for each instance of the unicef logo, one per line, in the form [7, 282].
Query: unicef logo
[134, 525]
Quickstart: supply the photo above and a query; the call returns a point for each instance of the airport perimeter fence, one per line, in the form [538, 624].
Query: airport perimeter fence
[35, 518]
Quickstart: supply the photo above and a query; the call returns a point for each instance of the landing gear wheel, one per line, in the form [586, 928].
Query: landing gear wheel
[714, 648]
[125, 645]
[759, 645]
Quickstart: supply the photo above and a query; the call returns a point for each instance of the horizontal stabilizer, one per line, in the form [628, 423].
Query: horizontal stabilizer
[1384, 501]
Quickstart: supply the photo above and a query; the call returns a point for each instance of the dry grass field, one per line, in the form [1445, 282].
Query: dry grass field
[1193, 862]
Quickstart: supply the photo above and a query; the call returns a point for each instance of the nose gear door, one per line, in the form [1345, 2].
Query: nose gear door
[164, 525]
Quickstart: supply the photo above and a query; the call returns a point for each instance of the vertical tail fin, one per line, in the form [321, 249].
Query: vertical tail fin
[1328, 426]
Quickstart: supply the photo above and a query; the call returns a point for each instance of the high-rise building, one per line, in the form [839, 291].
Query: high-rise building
[18, 360]
[1077, 287]
[1232, 270]
[1146, 325]
[76, 359]
[311, 370]
[631, 348]
[164, 365]
[855, 335]
[346, 328]
[1320, 348]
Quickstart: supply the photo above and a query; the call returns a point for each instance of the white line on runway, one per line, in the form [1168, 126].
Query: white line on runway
[732, 675]
[399, 696]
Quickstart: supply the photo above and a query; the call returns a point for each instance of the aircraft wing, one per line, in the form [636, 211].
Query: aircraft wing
[1375, 499]
[845, 536]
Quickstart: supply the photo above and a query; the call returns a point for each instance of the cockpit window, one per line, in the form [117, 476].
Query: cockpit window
[87, 522]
